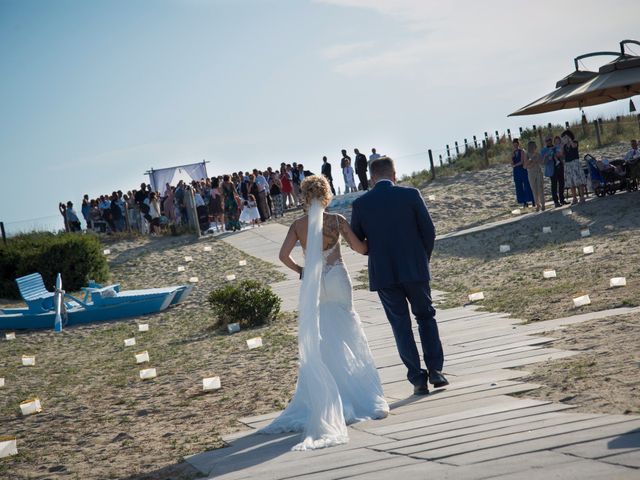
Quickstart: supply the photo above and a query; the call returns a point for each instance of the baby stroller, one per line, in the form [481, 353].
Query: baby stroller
[607, 177]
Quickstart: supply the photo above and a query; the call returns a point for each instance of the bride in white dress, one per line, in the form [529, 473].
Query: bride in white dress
[338, 383]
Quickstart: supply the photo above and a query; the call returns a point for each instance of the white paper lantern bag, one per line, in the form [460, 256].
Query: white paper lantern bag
[31, 406]
[207, 249]
[581, 301]
[142, 357]
[143, 327]
[618, 282]
[106, 251]
[8, 446]
[233, 327]
[1, 382]
[28, 360]
[546, 229]
[515, 212]
[254, 343]
[588, 250]
[129, 342]
[432, 198]
[181, 268]
[585, 233]
[549, 274]
[193, 280]
[474, 297]
[242, 263]
[211, 383]
[148, 373]
[568, 211]
[10, 336]
[505, 248]
[230, 278]
[188, 259]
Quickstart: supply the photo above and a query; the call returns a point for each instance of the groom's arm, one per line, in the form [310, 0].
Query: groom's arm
[426, 227]
[356, 223]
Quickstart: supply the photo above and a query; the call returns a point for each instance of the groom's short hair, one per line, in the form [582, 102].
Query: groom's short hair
[382, 167]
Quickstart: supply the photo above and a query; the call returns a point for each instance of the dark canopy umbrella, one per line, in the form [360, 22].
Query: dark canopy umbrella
[616, 80]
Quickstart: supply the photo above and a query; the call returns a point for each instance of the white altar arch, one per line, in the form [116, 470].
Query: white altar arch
[158, 178]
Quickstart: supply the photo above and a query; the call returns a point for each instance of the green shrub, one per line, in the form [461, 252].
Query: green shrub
[249, 303]
[77, 257]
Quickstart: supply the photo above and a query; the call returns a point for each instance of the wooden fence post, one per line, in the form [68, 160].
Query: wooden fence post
[486, 137]
[440, 160]
[497, 137]
[638, 121]
[509, 134]
[485, 152]
[550, 128]
[540, 138]
[520, 128]
[466, 145]
[448, 154]
[601, 126]
[475, 141]
[618, 126]
[566, 125]
[433, 168]
[595, 124]
[457, 149]
[4, 235]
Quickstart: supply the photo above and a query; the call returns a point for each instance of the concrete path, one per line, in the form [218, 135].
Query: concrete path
[472, 430]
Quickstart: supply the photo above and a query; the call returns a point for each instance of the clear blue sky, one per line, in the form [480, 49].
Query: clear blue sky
[93, 93]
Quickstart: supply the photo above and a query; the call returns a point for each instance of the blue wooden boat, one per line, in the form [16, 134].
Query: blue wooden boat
[99, 304]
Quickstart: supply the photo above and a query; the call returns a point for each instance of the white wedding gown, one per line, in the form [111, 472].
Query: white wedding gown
[338, 383]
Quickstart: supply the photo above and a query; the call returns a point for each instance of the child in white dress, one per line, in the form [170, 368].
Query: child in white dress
[250, 213]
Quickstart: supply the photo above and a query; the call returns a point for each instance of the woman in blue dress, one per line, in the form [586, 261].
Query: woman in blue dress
[524, 195]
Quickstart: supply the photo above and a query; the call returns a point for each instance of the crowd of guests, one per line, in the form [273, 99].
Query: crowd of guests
[558, 160]
[221, 203]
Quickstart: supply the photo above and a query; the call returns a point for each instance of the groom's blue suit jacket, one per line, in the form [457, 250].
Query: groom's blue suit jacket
[400, 232]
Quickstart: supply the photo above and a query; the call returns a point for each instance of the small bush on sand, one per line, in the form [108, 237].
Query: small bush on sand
[249, 303]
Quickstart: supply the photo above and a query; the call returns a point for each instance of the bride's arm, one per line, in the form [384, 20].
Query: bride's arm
[360, 246]
[287, 246]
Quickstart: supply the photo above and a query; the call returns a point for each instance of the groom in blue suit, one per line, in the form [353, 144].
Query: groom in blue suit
[401, 235]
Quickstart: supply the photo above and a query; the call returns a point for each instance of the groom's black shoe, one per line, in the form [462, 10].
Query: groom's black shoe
[437, 379]
[421, 389]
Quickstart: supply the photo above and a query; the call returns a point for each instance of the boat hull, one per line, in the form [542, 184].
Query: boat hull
[22, 319]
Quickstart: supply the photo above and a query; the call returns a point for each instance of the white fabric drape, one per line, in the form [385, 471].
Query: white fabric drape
[197, 171]
[159, 178]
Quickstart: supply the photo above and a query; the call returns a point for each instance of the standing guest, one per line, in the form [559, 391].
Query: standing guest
[302, 173]
[263, 188]
[201, 208]
[276, 195]
[361, 169]
[287, 188]
[116, 214]
[346, 160]
[86, 209]
[72, 218]
[96, 218]
[634, 152]
[295, 181]
[554, 169]
[154, 213]
[326, 171]
[231, 204]
[141, 194]
[216, 204]
[349, 179]
[524, 195]
[374, 156]
[573, 175]
[533, 164]
[169, 204]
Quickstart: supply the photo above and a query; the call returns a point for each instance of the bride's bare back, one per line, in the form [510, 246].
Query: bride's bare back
[333, 226]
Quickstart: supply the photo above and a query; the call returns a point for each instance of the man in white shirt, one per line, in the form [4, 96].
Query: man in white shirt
[374, 155]
[634, 152]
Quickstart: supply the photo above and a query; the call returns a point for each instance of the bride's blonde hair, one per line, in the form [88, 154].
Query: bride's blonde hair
[316, 187]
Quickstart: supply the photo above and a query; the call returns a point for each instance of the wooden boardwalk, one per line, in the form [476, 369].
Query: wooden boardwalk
[473, 429]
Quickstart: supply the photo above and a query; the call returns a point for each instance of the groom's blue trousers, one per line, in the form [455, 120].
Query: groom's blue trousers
[396, 301]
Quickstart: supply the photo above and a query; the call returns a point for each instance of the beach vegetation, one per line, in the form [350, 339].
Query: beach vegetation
[249, 303]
